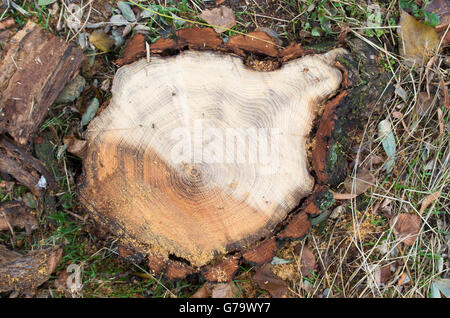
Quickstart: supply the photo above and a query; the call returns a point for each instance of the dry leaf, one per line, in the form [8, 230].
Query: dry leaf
[307, 262]
[406, 227]
[381, 275]
[401, 92]
[403, 279]
[203, 292]
[267, 280]
[428, 200]
[221, 18]
[101, 40]
[362, 182]
[418, 41]
[75, 146]
[224, 291]
[445, 92]
[423, 103]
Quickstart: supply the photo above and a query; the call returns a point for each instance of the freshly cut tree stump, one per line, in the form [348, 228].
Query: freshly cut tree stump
[198, 155]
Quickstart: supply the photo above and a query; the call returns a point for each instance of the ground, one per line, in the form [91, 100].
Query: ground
[356, 252]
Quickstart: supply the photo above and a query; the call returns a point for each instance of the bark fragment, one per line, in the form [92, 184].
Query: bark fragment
[26, 273]
[34, 70]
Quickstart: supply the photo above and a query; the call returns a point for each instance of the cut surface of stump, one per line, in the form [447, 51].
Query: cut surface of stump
[198, 155]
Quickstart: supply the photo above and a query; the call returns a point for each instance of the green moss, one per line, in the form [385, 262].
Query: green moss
[325, 200]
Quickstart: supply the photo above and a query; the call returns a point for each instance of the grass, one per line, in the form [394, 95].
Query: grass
[351, 249]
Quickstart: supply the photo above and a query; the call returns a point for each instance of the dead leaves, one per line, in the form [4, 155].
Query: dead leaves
[360, 184]
[101, 41]
[307, 262]
[75, 146]
[429, 200]
[24, 273]
[406, 227]
[225, 290]
[221, 18]
[267, 280]
[424, 102]
[418, 41]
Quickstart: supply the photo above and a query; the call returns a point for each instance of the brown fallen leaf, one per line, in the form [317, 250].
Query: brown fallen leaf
[360, 184]
[267, 280]
[428, 200]
[203, 292]
[221, 18]
[75, 146]
[402, 279]
[381, 275]
[307, 260]
[406, 227]
[17, 214]
[445, 92]
[418, 41]
[101, 40]
[24, 273]
[423, 103]
[224, 290]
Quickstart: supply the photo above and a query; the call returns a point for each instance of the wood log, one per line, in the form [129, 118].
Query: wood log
[187, 213]
[29, 171]
[158, 164]
[25, 273]
[34, 69]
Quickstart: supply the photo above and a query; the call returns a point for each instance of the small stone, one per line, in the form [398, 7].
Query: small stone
[72, 90]
[42, 183]
[90, 112]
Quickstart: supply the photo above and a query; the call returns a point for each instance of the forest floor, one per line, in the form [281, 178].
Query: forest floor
[356, 252]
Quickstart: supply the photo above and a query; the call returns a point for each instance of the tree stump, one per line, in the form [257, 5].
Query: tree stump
[199, 159]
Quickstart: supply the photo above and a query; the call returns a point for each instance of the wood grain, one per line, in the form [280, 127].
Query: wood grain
[199, 209]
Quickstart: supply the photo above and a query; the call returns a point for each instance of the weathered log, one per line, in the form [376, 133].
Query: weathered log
[34, 70]
[200, 210]
[24, 273]
[17, 214]
[27, 170]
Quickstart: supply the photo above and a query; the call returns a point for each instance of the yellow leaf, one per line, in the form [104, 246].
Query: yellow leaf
[418, 41]
[101, 40]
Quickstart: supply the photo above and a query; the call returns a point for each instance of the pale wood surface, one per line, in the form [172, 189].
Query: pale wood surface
[197, 210]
